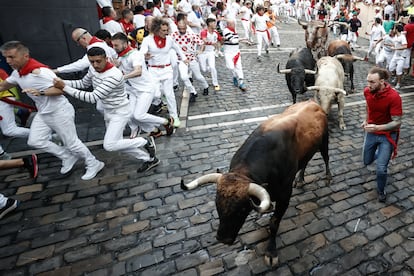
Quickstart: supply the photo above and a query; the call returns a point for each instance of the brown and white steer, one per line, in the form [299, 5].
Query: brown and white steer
[329, 86]
[263, 170]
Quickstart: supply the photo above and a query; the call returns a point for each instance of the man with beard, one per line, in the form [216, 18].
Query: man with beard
[382, 124]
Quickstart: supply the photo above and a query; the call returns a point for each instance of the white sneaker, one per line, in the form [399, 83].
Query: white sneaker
[93, 170]
[68, 164]
[397, 86]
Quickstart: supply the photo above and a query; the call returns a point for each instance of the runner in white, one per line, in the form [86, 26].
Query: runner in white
[246, 16]
[54, 112]
[189, 42]
[140, 87]
[108, 87]
[207, 58]
[259, 20]
[156, 47]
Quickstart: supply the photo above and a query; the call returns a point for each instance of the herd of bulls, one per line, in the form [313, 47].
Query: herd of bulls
[264, 168]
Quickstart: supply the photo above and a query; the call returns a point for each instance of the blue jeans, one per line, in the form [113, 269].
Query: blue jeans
[379, 148]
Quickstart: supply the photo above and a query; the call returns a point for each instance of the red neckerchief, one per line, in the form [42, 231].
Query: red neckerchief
[128, 26]
[232, 29]
[107, 67]
[159, 41]
[124, 52]
[106, 19]
[31, 65]
[94, 39]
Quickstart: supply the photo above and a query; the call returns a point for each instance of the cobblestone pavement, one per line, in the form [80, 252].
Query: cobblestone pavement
[123, 222]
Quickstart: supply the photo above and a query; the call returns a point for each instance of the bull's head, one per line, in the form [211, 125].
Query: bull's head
[235, 198]
[314, 30]
[325, 95]
[297, 78]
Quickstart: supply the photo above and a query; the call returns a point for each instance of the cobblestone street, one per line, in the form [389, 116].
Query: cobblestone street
[126, 223]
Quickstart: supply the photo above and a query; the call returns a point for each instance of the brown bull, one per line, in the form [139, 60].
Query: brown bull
[316, 37]
[263, 170]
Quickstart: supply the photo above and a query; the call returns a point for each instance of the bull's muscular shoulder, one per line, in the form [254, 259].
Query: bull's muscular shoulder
[306, 123]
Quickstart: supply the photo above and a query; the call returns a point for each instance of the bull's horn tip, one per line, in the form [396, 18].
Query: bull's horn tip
[183, 187]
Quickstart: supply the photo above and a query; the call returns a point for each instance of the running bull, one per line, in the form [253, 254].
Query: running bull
[316, 37]
[299, 71]
[329, 86]
[264, 168]
[341, 50]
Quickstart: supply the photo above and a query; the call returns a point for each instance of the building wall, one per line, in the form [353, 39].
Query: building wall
[46, 26]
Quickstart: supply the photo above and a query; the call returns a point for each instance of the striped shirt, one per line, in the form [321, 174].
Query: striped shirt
[230, 37]
[108, 88]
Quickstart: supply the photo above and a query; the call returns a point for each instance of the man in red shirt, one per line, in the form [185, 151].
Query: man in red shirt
[409, 29]
[382, 124]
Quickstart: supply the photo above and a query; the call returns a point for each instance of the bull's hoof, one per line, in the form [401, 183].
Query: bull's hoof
[271, 261]
[342, 126]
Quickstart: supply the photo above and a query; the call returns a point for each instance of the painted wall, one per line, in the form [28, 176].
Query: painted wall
[46, 26]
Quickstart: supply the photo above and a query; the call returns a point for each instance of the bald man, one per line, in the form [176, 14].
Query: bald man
[83, 38]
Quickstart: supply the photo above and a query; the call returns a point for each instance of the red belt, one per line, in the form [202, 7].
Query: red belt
[159, 66]
[245, 19]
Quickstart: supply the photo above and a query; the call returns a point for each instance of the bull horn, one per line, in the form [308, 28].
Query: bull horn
[261, 193]
[283, 71]
[341, 56]
[209, 178]
[313, 87]
[312, 72]
[358, 58]
[302, 24]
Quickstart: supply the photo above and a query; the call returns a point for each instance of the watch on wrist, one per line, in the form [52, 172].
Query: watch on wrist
[42, 93]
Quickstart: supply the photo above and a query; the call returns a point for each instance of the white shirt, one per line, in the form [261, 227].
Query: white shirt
[233, 11]
[104, 3]
[139, 20]
[184, 6]
[377, 32]
[83, 63]
[246, 13]
[192, 17]
[260, 22]
[160, 56]
[112, 27]
[41, 82]
[129, 61]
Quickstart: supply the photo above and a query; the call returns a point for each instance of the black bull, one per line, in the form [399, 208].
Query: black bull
[299, 72]
[264, 168]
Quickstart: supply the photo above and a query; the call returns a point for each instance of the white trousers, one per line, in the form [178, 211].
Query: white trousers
[8, 122]
[274, 35]
[207, 60]
[3, 201]
[248, 34]
[262, 36]
[397, 64]
[352, 38]
[62, 121]
[140, 103]
[384, 56]
[164, 78]
[236, 68]
[115, 121]
[194, 67]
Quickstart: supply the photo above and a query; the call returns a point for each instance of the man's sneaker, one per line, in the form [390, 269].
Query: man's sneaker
[175, 87]
[193, 98]
[30, 163]
[205, 91]
[177, 122]
[397, 86]
[156, 133]
[146, 166]
[382, 197]
[217, 88]
[11, 204]
[93, 170]
[242, 86]
[68, 164]
[235, 81]
[5, 156]
[150, 146]
[278, 46]
[267, 51]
